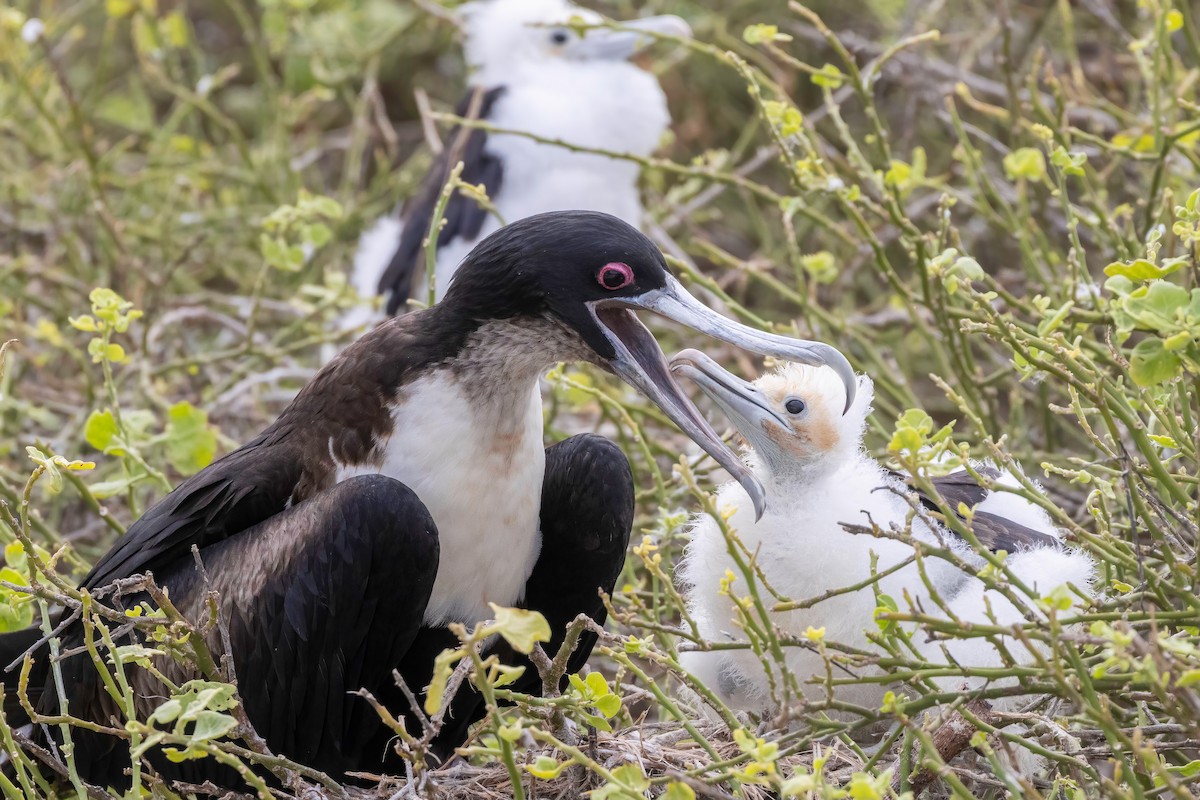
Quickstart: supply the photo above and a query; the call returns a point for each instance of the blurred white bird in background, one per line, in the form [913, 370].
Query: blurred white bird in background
[535, 71]
[809, 457]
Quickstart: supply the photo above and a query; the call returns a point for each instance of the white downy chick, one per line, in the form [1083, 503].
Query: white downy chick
[544, 77]
[810, 459]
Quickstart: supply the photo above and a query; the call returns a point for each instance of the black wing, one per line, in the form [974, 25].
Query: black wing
[994, 532]
[237, 492]
[339, 414]
[463, 217]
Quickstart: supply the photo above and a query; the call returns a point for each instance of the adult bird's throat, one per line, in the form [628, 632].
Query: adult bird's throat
[467, 438]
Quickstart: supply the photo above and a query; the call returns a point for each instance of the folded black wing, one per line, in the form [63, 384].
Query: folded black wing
[242, 489]
[994, 532]
[463, 216]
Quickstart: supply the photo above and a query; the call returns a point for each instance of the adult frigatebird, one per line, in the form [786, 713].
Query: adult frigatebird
[809, 456]
[406, 486]
[535, 73]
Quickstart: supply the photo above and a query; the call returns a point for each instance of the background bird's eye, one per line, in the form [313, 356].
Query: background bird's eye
[795, 406]
[615, 276]
[559, 37]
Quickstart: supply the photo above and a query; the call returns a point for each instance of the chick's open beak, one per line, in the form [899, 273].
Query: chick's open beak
[612, 44]
[640, 362]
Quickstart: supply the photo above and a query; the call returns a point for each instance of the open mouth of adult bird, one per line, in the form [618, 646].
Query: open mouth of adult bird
[640, 362]
[634, 36]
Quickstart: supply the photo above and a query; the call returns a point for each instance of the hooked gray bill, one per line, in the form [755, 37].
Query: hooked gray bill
[640, 362]
[618, 44]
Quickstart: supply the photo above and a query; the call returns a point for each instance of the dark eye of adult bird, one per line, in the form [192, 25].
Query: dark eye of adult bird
[407, 487]
[795, 406]
[615, 276]
[560, 37]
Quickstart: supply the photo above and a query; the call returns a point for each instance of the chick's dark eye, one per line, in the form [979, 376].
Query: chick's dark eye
[795, 406]
[559, 37]
[615, 276]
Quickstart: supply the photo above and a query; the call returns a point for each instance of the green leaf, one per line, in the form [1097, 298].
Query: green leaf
[85, 323]
[14, 554]
[1151, 363]
[15, 617]
[865, 787]
[1158, 306]
[912, 430]
[10, 575]
[678, 791]
[632, 777]
[176, 755]
[119, 8]
[212, 725]
[599, 723]
[174, 29]
[1069, 163]
[191, 443]
[503, 675]
[828, 77]
[1188, 678]
[1026, 163]
[100, 430]
[521, 628]
[886, 606]
[167, 712]
[820, 266]
[546, 768]
[597, 684]
[609, 705]
[135, 654]
[1141, 269]
[1060, 599]
[761, 34]
[325, 206]
[317, 234]
[443, 666]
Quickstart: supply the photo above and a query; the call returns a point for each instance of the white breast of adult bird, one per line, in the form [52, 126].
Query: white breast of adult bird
[809, 456]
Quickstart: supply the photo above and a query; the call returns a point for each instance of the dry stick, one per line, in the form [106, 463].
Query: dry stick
[46, 757]
[949, 739]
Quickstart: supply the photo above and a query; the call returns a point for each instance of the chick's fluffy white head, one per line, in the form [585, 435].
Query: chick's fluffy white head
[509, 32]
[809, 431]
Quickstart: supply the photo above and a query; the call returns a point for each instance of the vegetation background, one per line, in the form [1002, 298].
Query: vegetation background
[990, 206]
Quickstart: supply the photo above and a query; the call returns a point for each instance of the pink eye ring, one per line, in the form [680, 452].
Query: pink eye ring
[615, 276]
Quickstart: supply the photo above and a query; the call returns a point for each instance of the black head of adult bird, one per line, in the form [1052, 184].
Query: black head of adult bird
[407, 486]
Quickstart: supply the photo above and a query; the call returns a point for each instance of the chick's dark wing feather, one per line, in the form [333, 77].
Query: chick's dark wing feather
[993, 531]
[463, 217]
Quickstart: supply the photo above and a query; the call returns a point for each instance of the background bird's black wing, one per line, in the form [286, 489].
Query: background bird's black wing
[240, 490]
[994, 532]
[463, 216]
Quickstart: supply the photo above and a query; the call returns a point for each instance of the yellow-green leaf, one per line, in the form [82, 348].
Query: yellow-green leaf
[1142, 269]
[100, 429]
[520, 627]
[546, 768]
[678, 791]
[191, 443]
[443, 666]
[1025, 163]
